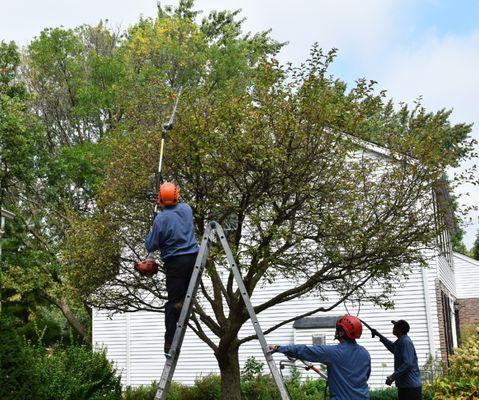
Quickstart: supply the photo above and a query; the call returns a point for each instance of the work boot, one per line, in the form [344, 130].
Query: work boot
[166, 348]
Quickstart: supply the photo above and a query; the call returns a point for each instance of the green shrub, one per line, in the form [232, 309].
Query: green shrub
[142, 392]
[461, 379]
[207, 388]
[147, 392]
[252, 369]
[180, 392]
[75, 373]
[260, 387]
[60, 373]
[313, 389]
[17, 378]
[384, 394]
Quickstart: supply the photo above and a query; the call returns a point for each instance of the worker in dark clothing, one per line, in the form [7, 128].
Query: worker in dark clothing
[173, 233]
[348, 363]
[406, 369]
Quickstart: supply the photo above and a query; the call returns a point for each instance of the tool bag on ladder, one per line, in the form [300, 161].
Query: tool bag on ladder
[211, 230]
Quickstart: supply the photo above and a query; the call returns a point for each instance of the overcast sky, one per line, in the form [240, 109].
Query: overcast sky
[413, 48]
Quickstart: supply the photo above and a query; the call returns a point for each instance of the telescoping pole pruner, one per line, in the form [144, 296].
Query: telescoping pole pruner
[149, 266]
[373, 331]
[166, 127]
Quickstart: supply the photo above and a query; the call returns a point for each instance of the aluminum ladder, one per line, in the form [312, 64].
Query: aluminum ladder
[171, 361]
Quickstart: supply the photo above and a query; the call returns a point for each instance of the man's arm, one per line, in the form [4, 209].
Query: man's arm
[387, 343]
[152, 240]
[322, 354]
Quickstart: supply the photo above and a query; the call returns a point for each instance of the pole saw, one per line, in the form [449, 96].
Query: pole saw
[149, 266]
[291, 362]
[373, 331]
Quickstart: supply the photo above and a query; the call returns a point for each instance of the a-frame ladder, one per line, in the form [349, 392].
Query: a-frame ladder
[171, 361]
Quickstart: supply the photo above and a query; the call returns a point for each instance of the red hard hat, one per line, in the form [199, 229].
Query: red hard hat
[168, 195]
[147, 267]
[352, 326]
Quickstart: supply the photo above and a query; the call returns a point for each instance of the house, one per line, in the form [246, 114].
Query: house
[426, 299]
[467, 286]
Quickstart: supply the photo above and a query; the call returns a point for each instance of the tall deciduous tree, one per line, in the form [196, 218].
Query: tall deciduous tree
[69, 78]
[280, 149]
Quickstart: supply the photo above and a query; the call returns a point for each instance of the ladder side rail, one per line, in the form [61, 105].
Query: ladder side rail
[244, 294]
[170, 364]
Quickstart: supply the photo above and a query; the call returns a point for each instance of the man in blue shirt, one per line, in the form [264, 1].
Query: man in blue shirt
[406, 369]
[173, 233]
[348, 363]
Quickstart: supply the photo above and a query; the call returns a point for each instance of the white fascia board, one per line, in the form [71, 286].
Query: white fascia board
[7, 214]
[375, 148]
[466, 258]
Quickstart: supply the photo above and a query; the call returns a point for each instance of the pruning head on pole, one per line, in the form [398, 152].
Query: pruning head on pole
[168, 195]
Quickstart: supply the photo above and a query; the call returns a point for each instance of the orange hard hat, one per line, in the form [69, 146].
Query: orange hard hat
[168, 195]
[352, 326]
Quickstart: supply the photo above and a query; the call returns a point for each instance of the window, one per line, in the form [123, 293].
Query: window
[446, 317]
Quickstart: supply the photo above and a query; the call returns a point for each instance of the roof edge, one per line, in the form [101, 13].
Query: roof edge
[466, 258]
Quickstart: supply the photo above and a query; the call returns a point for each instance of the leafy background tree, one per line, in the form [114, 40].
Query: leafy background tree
[475, 248]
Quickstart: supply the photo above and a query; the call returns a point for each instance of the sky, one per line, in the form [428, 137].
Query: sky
[412, 48]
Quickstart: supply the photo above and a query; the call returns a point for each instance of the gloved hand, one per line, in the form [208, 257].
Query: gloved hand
[389, 380]
[273, 348]
[374, 333]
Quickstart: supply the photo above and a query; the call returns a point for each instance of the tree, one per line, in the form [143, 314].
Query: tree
[19, 135]
[457, 242]
[475, 248]
[280, 149]
[69, 76]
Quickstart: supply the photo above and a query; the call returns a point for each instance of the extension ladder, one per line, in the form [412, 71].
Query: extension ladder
[187, 308]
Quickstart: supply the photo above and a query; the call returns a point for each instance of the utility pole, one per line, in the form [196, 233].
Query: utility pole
[3, 216]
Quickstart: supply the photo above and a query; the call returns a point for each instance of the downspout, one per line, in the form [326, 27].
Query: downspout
[128, 350]
[427, 303]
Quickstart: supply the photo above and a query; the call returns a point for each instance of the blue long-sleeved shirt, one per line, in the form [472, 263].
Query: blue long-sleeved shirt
[406, 369]
[173, 232]
[348, 363]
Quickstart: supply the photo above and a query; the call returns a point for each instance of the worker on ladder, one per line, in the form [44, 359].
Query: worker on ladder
[173, 233]
[348, 363]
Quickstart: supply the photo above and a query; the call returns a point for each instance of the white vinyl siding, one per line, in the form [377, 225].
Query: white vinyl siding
[467, 276]
[446, 275]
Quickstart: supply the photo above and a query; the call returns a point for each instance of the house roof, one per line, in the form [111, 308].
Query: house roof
[441, 187]
[467, 258]
[316, 322]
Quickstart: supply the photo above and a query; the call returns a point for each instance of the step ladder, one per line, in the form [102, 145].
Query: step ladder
[171, 361]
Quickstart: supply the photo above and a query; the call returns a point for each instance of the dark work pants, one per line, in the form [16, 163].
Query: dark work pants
[178, 270]
[410, 393]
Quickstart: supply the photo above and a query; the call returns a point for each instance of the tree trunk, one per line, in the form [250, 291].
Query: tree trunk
[72, 319]
[228, 362]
